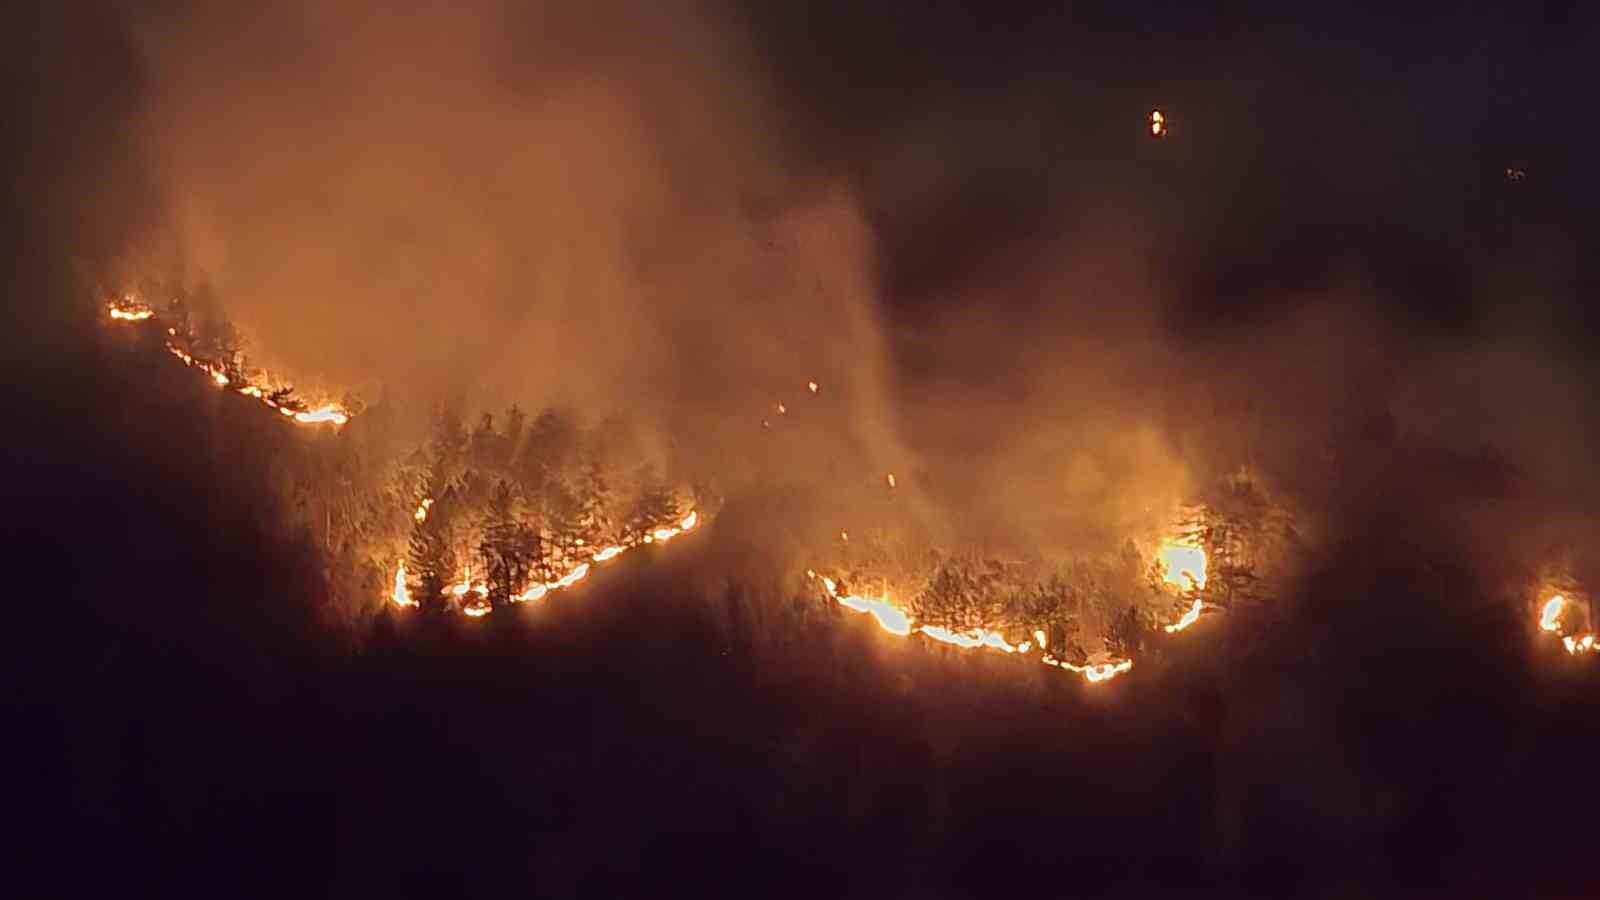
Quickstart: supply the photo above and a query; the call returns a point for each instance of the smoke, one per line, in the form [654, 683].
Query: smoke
[1051, 329]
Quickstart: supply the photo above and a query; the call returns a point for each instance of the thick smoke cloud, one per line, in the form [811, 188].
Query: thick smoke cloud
[1052, 329]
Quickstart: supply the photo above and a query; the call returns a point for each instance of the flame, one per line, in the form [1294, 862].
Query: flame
[402, 597]
[889, 617]
[898, 622]
[977, 637]
[128, 310]
[782, 409]
[1189, 618]
[536, 591]
[134, 313]
[1039, 636]
[328, 412]
[1550, 616]
[1183, 563]
[1158, 123]
[891, 479]
[811, 386]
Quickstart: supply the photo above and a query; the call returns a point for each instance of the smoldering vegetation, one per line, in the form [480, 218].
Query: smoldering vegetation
[678, 219]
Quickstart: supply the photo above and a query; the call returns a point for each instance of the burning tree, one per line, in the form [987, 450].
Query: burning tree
[657, 503]
[509, 548]
[431, 558]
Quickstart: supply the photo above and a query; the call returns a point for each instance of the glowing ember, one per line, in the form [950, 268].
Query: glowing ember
[782, 409]
[421, 515]
[1039, 636]
[1158, 123]
[811, 386]
[1183, 564]
[1189, 618]
[607, 553]
[891, 479]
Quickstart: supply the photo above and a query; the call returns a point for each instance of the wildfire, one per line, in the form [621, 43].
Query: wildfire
[1158, 123]
[1183, 563]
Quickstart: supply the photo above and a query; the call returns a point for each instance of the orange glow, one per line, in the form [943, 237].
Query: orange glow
[421, 515]
[891, 479]
[811, 386]
[1158, 123]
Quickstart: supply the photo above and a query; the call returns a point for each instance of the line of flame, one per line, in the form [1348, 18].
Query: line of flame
[480, 607]
[896, 621]
[327, 413]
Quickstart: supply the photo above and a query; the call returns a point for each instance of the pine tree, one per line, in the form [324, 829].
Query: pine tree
[508, 550]
[430, 562]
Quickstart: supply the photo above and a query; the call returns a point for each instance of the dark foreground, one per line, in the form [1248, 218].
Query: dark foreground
[186, 723]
